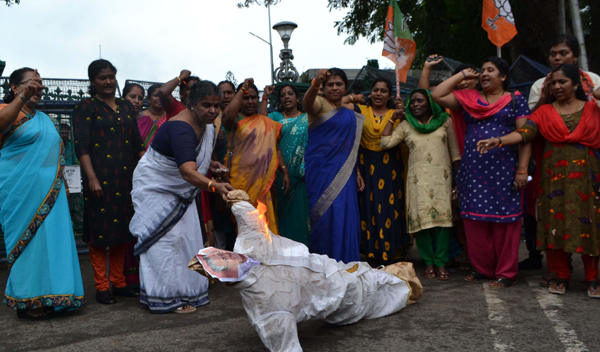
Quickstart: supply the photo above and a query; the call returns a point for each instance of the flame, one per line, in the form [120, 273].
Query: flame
[261, 221]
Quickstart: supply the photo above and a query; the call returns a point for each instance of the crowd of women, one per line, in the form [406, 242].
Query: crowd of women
[348, 177]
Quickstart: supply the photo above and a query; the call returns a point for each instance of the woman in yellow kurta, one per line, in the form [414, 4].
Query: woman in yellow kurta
[383, 221]
[433, 148]
[253, 154]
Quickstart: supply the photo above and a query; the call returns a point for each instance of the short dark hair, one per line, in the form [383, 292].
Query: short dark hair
[201, 90]
[94, 68]
[186, 81]
[572, 72]
[15, 77]
[569, 40]
[278, 98]
[334, 71]
[153, 87]
[130, 86]
[227, 82]
[502, 66]
[388, 83]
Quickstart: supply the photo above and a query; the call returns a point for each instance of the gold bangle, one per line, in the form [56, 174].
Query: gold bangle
[351, 99]
[209, 185]
[283, 167]
[179, 79]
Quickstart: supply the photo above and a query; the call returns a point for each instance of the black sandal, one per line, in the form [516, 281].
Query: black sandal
[476, 277]
[593, 284]
[47, 313]
[506, 283]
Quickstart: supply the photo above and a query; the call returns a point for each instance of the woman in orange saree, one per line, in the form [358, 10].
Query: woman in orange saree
[253, 154]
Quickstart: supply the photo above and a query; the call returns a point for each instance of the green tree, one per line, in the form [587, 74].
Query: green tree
[12, 2]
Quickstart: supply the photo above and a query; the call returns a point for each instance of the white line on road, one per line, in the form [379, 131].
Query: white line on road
[550, 303]
[499, 317]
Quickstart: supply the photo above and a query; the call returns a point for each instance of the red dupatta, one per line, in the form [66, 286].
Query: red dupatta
[468, 99]
[553, 128]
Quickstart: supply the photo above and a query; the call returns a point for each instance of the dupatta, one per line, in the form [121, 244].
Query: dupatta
[372, 129]
[468, 99]
[553, 128]
[438, 119]
[148, 128]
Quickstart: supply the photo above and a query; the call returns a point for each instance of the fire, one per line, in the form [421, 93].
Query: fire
[261, 221]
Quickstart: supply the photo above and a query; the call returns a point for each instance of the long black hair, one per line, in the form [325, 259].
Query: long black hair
[502, 66]
[334, 71]
[390, 103]
[278, 98]
[94, 68]
[152, 88]
[572, 72]
[130, 86]
[15, 77]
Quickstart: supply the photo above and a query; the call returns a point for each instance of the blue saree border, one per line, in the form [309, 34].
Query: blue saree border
[343, 175]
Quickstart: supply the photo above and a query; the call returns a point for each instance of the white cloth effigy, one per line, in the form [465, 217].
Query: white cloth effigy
[293, 285]
[158, 191]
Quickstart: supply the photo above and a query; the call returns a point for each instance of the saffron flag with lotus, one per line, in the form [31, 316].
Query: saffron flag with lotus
[398, 43]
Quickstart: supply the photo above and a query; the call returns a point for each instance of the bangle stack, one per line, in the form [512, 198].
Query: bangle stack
[499, 142]
[244, 90]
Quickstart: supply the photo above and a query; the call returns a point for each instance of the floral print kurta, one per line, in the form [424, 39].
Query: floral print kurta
[568, 203]
[113, 142]
[429, 177]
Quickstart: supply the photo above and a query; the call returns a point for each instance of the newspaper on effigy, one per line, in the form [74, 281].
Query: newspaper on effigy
[225, 266]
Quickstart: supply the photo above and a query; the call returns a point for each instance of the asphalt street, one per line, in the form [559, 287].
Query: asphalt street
[452, 316]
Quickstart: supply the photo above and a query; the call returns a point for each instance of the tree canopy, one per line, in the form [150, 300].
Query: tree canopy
[12, 2]
[452, 28]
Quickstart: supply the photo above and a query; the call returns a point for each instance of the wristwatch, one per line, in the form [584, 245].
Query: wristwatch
[23, 98]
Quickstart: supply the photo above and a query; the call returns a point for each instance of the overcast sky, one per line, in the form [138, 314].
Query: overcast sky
[153, 40]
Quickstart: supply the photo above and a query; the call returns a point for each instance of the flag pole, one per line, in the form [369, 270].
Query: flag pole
[498, 51]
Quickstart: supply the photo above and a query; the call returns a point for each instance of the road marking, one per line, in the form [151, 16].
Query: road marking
[499, 318]
[550, 303]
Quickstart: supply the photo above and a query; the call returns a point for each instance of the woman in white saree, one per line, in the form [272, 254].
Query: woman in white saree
[166, 223]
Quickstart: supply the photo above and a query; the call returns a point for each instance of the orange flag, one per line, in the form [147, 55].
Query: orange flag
[398, 43]
[497, 19]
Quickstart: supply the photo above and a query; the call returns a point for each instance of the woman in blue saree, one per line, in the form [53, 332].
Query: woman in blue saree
[34, 211]
[292, 206]
[166, 224]
[332, 178]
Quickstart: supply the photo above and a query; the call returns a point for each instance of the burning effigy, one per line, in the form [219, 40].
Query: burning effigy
[282, 284]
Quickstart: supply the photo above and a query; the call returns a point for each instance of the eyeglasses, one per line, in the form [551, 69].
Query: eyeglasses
[18, 84]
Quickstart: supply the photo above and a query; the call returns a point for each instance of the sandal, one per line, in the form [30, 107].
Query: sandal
[504, 282]
[184, 310]
[545, 280]
[558, 282]
[45, 314]
[475, 276]
[429, 274]
[442, 274]
[592, 284]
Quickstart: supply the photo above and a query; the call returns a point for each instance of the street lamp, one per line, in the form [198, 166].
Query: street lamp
[286, 70]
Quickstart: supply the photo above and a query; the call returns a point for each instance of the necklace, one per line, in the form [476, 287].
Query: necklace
[571, 114]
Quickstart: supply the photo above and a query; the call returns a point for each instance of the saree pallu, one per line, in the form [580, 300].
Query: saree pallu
[381, 204]
[167, 227]
[148, 128]
[330, 162]
[293, 210]
[254, 162]
[35, 219]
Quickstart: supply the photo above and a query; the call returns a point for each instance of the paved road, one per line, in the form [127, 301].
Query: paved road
[452, 316]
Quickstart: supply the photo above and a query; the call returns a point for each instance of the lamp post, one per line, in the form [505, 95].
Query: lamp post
[286, 70]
